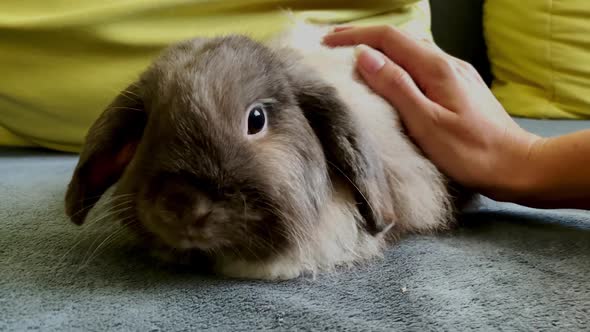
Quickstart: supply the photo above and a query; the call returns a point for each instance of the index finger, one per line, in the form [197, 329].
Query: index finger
[407, 52]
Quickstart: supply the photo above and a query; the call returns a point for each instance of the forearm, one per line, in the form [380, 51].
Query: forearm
[556, 173]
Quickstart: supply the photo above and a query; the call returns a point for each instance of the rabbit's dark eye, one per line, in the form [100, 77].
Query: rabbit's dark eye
[256, 120]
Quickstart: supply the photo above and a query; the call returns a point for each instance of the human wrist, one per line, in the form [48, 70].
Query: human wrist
[517, 172]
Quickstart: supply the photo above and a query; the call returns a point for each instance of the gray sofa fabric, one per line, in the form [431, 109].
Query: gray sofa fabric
[506, 268]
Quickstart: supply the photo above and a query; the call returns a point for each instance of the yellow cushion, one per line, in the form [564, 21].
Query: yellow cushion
[63, 61]
[540, 56]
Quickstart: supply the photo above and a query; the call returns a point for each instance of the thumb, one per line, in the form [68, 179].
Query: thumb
[397, 86]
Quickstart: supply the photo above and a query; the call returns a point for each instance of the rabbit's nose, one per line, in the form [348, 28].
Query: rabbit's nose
[186, 207]
[200, 211]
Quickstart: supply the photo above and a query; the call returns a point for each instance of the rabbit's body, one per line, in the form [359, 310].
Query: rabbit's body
[331, 182]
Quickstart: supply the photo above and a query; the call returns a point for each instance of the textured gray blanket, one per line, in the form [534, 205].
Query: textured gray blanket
[507, 268]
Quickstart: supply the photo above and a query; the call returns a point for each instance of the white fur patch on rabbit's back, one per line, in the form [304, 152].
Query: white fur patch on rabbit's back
[422, 201]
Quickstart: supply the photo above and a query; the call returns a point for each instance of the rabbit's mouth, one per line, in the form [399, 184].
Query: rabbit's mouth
[189, 240]
[202, 234]
[229, 238]
[220, 230]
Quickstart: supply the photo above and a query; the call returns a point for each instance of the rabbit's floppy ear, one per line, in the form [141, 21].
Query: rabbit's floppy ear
[109, 147]
[348, 150]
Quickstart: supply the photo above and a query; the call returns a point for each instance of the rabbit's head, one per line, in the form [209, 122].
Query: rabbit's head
[225, 145]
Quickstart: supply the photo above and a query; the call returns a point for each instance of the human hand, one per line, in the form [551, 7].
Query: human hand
[446, 107]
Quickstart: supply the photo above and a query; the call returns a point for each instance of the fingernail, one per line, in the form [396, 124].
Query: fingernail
[339, 28]
[368, 59]
[334, 30]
